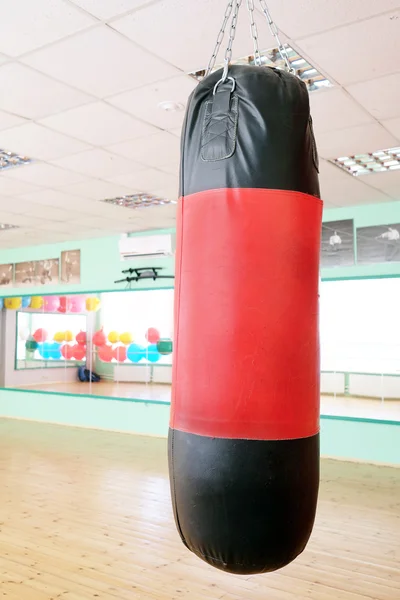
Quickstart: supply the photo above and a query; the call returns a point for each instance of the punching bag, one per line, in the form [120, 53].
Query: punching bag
[244, 427]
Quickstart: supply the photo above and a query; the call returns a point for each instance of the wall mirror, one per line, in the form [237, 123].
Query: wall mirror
[119, 345]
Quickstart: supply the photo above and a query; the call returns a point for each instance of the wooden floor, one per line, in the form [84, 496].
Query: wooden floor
[330, 405]
[87, 514]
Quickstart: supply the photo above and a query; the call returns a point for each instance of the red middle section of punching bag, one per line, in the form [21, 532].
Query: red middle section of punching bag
[246, 348]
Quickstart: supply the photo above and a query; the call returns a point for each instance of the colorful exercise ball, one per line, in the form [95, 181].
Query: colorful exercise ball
[152, 335]
[67, 351]
[68, 336]
[81, 338]
[99, 338]
[31, 345]
[152, 354]
[40, 335]
[164, 346]
[113, 337]
[135, 353]
[92, 304]
[119, 353]
[54, 351]
[51, 303]
[78, 352]
[105, 353]
[1, 303]
[36, 302]
[77, 304]
[126, 338]
[65, 305]
[13, 303]
[24, 334]
[59, 336]
[26, 301]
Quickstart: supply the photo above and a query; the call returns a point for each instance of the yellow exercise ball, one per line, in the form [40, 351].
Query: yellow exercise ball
[37, 302]
[68, 336]
[113, 337]
[59, 336]
[126, 338]
[92, 304]
[13, 303]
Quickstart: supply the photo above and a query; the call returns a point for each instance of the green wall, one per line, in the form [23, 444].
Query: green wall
[100, 266]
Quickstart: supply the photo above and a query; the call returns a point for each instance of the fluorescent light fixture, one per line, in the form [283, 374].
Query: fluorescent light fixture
[139, 200]
[8, 160]
[6, 226]
[271, 58]
[373, 162]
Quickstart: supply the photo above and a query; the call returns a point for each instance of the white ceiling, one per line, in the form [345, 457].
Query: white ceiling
[81, 81]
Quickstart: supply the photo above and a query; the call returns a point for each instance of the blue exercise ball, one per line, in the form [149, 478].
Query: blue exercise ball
[54, 351]
[152, 354]
[1, 303]
[26, 301]
[135, 353]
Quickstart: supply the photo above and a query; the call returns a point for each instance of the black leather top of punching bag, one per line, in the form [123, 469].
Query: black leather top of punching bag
[269, 119]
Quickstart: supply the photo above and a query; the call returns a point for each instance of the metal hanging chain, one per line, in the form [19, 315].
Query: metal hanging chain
[220, 37]
[228, 53]
[254, 33]
[274, 30]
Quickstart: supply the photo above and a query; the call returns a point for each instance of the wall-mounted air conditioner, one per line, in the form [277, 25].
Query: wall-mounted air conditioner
[151, 246]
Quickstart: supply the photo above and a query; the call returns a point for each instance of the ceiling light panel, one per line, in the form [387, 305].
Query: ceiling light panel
[8, 160]
[313, 79]
[374, 162]
[140, 200]
[6, 226]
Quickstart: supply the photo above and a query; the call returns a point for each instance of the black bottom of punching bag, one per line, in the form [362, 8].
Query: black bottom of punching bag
[244, 506]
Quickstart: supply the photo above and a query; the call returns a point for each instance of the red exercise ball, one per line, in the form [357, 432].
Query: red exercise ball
[65, 304]
[152, 335]
[67, 351]
[40, 335]
[99, 338]
[81, 338]
[105, 353]
[78, 351]
[119, 353]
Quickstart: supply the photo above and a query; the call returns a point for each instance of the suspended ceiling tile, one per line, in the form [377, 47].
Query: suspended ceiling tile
[11, 187]
[95, 189]
[357, 52]
[45, 175]
[393, 126]
[172, 167]
[33, 95]
[59, 199]
[51, 213]
[100, 62]
[355, 140]
[99, 124]
[19, 219]
[184, 33]
[342, 189]
[306, 17]
[148, 180]
[26, 25]
[39, 143]
[16, 206]
[388, 182]
[333, 109]
[177, 132]
[97, 163]
[143, 103]
[379, 96]
[3, 59]
[8, 120]
[106, 9]
[152, 151]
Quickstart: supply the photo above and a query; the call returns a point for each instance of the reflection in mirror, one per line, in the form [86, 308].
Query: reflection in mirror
[115, 344]
[119, 345]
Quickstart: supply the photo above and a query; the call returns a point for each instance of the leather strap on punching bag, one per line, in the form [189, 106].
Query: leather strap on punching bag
[244, 429]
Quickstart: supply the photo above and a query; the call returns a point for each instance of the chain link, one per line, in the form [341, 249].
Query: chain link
[254, 33]
[232, 34]
[220, 37]
[274, 30]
